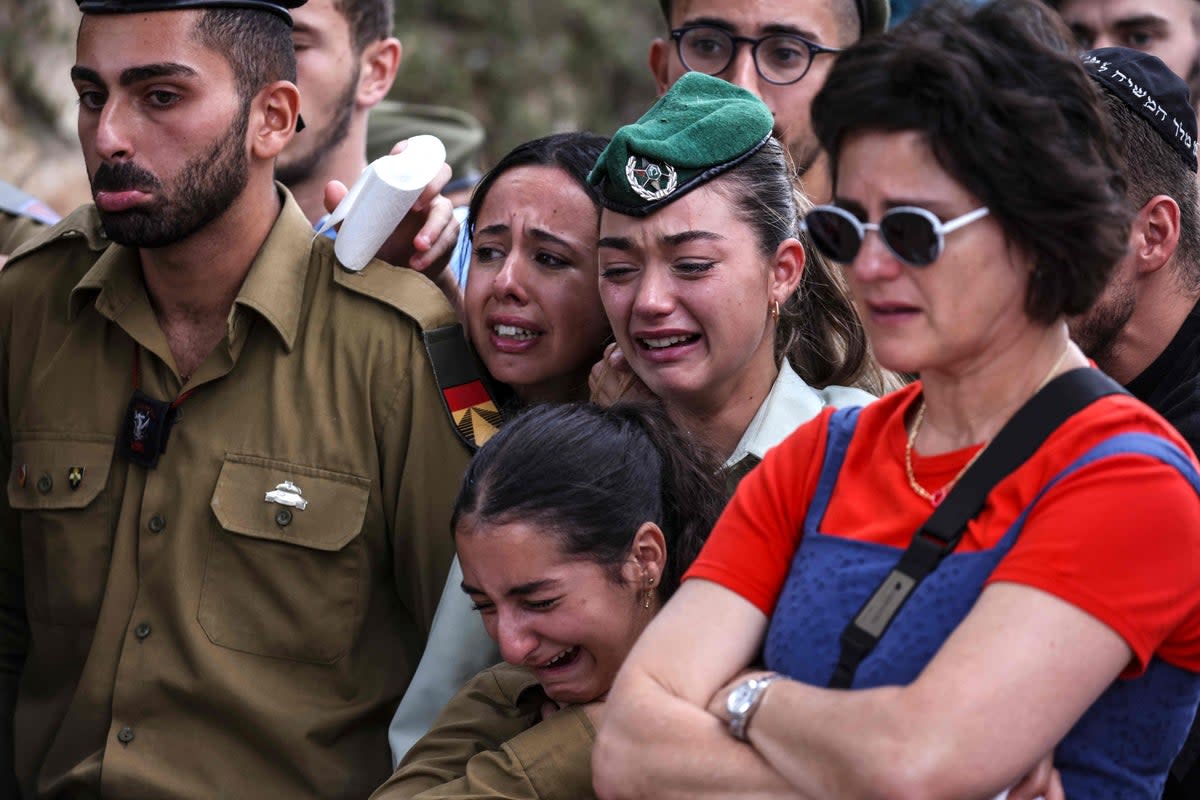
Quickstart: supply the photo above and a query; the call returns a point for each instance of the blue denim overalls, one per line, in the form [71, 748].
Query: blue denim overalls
[1121, 748]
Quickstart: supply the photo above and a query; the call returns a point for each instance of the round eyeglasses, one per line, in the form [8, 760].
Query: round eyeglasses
[914, 235]
[781, 58]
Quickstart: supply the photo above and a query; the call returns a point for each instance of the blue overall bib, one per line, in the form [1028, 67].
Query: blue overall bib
[1123, 745]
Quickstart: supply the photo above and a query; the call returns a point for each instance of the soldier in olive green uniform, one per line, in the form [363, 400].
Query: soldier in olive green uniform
[220, 587]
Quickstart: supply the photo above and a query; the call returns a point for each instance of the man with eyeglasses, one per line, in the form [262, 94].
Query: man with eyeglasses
[780, 50]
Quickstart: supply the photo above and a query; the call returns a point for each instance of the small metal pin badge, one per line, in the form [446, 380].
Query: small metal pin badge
[22, 475]
[287, 494]
[74, 477]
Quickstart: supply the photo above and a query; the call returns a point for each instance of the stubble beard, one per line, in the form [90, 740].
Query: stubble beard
[293, 171]
[206, 187]
[1099, 330]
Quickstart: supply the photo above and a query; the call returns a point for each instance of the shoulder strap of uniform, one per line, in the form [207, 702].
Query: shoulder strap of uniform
[468, 399]
[465, 392]
[406, 290]
[83, 222]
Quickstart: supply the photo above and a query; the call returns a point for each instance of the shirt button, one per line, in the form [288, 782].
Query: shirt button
[283, 517]
[45, 484]
[157, 524]
[142, 630]
[125, 735]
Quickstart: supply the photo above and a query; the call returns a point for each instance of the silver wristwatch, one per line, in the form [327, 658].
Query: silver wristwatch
[744, 700]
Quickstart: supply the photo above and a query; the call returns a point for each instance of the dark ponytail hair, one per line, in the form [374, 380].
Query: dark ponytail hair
[592, 476]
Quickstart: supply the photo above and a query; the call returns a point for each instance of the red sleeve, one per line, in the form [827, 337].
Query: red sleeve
[1120, 539]
[751, 548]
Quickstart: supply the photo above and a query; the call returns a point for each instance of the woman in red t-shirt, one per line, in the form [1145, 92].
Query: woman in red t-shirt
[977, 205]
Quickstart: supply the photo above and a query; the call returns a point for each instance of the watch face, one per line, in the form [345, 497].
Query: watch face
[740, 698]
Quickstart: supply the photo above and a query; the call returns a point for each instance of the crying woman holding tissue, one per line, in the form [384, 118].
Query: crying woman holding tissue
[531, 303]
[996, 562]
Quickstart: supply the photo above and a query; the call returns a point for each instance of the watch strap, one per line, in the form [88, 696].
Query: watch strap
[739, 720]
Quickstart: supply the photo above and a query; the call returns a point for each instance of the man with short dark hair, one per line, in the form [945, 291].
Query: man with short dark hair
[1169, 29]
[229, 466]
[346, 62]
[1144, 330]
[780, 51]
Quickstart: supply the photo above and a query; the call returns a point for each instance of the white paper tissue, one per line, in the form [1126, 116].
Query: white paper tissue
[380, 198]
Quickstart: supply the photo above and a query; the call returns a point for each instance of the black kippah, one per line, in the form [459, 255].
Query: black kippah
[277, 7]
[1143, 82]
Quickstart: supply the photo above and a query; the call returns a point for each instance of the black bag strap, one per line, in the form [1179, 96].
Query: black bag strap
[1019, 439]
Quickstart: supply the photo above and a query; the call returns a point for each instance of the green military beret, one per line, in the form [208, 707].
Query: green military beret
[278, 7]
[700, 128]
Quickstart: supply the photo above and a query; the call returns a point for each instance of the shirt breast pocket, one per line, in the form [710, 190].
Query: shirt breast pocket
[287, 577]
[67, 527]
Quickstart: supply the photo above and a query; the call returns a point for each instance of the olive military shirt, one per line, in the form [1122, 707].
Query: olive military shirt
[186, 637]
[490, 741]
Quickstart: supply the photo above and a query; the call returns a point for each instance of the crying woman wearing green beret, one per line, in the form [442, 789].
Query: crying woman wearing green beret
[718, 305]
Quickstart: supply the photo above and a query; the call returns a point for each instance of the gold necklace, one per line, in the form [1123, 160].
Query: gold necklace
[935, 498]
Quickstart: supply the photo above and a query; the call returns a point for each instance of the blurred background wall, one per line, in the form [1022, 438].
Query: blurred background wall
[524, 68]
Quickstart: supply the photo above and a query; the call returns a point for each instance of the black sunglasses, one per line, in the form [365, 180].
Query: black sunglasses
[912, 234]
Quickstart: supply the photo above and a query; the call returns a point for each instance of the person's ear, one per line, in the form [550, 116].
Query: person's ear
[273, 114]
[660, 64]
[377, 71]
[1154, 235]
[647, 557]
[787, 270]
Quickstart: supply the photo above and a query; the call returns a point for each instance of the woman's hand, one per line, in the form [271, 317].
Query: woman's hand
[612, 379]
[425, 239]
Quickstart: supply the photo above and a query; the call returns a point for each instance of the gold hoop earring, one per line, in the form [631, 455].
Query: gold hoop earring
[775, 311]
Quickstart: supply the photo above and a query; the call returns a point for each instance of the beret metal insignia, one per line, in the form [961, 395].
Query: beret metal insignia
[650, 180]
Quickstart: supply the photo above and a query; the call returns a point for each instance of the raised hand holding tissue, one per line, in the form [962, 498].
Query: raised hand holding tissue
[379, 199]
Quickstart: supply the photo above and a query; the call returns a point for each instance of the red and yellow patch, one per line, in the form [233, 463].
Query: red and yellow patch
[473, 411]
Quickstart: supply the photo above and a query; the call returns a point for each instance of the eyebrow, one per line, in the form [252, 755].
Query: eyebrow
[492, 230]
[520, 590]
[769, 28]
[1144, 20]
[546, 236]
[167, 69]
[616, 243]
[684, 237]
